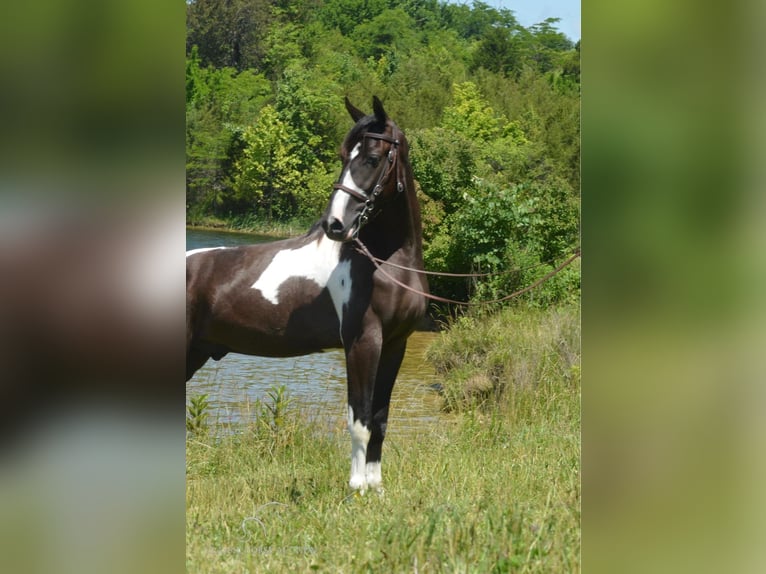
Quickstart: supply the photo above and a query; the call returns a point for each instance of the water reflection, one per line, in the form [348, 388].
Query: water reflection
[316, 383]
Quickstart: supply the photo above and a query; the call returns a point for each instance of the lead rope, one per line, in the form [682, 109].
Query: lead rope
[363, 249]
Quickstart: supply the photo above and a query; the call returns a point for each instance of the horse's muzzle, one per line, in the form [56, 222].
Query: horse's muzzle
[335, 230]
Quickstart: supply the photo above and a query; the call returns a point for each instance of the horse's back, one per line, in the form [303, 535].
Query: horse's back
[228, 305]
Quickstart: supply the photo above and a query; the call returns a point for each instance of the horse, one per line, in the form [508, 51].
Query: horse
[320, 291]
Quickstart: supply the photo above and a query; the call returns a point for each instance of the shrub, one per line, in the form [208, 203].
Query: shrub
[493, 360]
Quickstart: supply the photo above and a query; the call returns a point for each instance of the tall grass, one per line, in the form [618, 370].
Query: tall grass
[514, 355]
[494, 489]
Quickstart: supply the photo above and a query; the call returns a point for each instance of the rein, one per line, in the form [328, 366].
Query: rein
[370, 199]
[363, 249]
[448, 274]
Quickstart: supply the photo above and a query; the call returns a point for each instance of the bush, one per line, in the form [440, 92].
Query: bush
[493, 360]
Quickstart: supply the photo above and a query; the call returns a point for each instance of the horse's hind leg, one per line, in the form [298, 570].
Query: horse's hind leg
[388, 367]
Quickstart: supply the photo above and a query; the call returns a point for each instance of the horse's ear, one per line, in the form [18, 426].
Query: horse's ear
[380, 113]
[356, 113]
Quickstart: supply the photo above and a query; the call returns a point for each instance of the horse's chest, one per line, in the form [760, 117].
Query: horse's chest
[318, 263]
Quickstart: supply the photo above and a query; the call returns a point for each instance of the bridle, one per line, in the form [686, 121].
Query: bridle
[370, 199]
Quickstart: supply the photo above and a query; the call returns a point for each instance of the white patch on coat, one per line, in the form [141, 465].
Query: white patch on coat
[339, 286]
[201, 249]
[315, 261]
[360, 436]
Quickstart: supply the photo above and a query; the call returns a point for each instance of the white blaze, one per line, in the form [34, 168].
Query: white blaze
[340, 201]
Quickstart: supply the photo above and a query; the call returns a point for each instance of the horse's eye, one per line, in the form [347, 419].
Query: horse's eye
[373, 161]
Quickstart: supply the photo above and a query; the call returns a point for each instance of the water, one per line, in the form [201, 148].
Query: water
[316, 383]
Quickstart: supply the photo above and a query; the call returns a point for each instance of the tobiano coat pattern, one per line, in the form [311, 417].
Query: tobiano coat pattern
[317, 291]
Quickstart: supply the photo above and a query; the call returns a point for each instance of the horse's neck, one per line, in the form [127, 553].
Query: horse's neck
[413, 209]
[397, 229]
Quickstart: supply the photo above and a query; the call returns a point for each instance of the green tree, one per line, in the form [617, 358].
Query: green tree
[268, 170]
[389, 33]
[228, 32]
[308, 103]
[471, 116]
[476, 20]
[220, 103]
[345, 15]
[490, 108]
[500, 50]
[273, 175]
[547, 45]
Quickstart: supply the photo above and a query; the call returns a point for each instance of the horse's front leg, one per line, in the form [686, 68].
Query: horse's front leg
[362, 357]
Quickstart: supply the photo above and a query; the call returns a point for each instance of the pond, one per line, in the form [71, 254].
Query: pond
[316, 383]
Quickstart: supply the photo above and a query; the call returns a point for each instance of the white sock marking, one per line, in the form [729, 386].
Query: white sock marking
[373, 475]
[360, 436]
[315, 261]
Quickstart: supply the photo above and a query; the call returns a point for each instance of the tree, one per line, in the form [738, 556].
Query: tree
[391, 32]
[268, 170]
[547, 45]
[228, 32]
[499, 51]
[219, 104]
[490, 108]
[345, 15]
[471, 116]
[475, 21]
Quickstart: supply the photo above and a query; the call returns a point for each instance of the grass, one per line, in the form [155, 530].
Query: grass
[494, 359]
[491, 489]
[252, 224]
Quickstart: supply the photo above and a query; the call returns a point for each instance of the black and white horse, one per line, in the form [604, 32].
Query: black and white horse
[315, 292]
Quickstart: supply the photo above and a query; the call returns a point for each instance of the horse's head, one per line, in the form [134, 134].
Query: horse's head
[372, 173]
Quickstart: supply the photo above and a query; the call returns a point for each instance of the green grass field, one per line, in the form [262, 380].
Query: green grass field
[495, 488]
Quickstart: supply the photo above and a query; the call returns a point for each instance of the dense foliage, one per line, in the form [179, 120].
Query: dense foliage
[491, 109]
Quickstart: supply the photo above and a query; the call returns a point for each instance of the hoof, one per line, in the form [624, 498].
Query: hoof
[357, 491]
[375, 486]
[358, 485]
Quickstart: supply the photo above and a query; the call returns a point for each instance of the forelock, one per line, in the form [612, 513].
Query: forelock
[355, 135]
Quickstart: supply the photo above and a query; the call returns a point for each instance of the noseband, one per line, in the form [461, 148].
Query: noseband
[370, 199]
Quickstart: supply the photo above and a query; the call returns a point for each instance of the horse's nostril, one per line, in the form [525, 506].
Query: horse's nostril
[335, 225]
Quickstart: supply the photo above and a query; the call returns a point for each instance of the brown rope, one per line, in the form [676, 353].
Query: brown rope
[447, 274]
[537, 283]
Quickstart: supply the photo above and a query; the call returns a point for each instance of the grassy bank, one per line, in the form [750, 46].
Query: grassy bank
[495, 489]
[506, 357]
[251, 224]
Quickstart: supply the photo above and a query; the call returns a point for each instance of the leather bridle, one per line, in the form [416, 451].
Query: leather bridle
[370, 199]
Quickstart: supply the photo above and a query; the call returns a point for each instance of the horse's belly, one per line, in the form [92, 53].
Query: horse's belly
[308, 324]
[281, 346]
